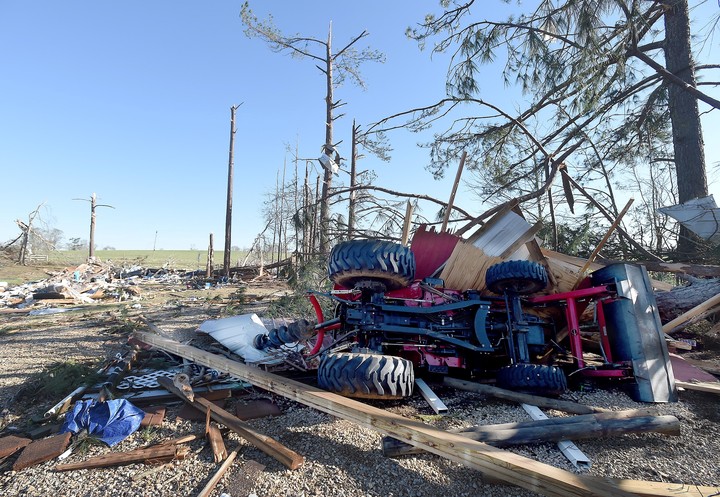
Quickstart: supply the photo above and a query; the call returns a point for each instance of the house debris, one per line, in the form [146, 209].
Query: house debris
[488, 318]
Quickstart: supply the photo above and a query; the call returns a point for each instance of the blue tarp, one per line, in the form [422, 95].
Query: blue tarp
[111, 421]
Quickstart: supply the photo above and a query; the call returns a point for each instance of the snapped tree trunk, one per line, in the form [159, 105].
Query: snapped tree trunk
[327, 177]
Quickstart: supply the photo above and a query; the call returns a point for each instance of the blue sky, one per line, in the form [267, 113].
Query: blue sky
[131, 100]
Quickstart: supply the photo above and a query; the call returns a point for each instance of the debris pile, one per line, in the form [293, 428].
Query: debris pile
[157, 379]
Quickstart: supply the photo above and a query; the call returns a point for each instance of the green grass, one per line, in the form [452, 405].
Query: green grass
[16, 274]
[174, 259]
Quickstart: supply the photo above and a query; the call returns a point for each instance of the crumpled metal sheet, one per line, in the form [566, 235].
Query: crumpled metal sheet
[700, 215]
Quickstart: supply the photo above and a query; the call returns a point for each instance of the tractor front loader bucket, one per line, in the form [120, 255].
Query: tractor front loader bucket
[635, 332]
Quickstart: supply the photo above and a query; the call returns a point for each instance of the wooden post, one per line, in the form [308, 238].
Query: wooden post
[407, 223]
[210, 254]
[452, 194]
[93, 200]
[208, 488]
[228, 210]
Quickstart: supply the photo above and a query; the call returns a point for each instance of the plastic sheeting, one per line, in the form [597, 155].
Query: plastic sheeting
[238, 332]
[111, 421]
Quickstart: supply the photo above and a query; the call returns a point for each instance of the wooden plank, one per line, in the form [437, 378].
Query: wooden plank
[210, 485]
[449, 207]
[687, 317]
[582, 427]
[157, 452]
[267, 444]
[602, 242]
[700, 386]
[406, 223]
[507, 466]
[660, 489]
[521, 398]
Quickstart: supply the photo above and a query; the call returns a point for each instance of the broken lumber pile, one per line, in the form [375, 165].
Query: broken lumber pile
[269, 445]
[491, 461]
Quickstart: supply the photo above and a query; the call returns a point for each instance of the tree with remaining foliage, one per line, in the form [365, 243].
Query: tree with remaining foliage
[336, 66]
[611, 85]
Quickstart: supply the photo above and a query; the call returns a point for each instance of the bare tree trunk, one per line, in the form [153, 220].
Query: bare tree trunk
[93, 200]
[24, 245]
[316, 228]
[210, 256]
[353, 182]
[327, 176]
[685, 117]
[306, 223]
[284, 207]
[228, 211]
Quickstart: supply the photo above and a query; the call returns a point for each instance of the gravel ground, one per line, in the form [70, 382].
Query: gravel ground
[341, 459]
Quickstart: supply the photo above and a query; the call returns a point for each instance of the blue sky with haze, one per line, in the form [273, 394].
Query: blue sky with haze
[132, 99]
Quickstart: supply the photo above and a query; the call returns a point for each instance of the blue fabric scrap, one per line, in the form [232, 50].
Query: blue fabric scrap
[111, 421]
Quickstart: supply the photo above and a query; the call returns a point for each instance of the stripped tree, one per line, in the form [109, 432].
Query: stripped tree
[611, 85]
[335, 66]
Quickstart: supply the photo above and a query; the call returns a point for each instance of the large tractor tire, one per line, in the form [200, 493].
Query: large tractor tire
[366, 376]
[536, 379]
[519, 277]
[376, 260]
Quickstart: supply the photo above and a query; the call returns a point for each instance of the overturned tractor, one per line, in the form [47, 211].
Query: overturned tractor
[388, 327]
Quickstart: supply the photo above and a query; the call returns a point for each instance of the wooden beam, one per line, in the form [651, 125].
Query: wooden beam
[162, 452]
[521, 398]
[267, 444]
[406, 223]
[581, 427]
[684, 319]
[449, 207]
[210, 485]
[705, 386]
[507, 466]
[660, 489]
[602, 242]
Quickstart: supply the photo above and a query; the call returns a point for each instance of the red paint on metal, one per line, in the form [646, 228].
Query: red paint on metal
[431, 250]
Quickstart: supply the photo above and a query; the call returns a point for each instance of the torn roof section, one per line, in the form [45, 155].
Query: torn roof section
[700, 215]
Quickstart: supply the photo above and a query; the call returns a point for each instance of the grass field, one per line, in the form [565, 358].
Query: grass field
[176, 259]
[15, 274]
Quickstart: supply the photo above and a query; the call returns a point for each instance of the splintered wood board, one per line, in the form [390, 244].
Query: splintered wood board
[497, 463]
